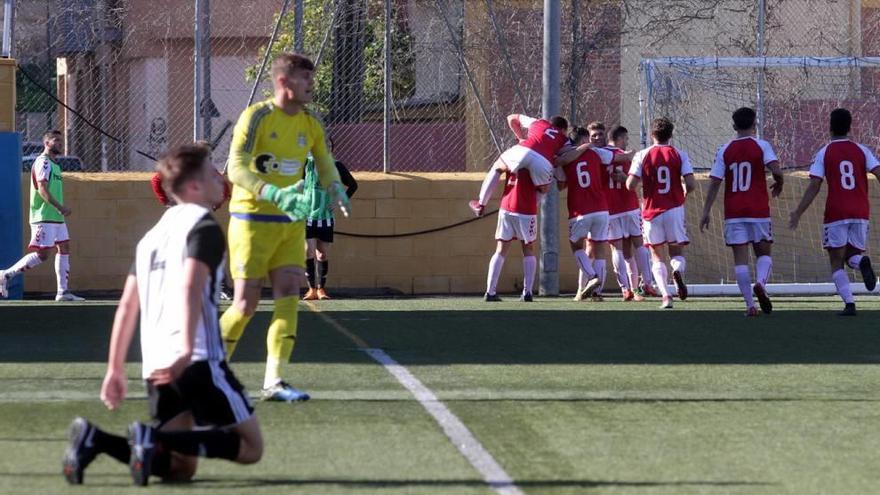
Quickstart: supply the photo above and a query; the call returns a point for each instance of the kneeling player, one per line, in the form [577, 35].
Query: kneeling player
[539, 141]
[660, 169]
[174, 285]
[740, 164]
[845, 164]
[584, 170]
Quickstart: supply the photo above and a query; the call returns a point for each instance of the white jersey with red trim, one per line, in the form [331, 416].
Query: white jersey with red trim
[661, 167]
[740, 164]
[845, 164]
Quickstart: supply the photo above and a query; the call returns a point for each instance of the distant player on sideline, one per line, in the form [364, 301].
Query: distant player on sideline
[319, 226]
[585, 171]
[267, 234]
[660, 169]
[47, 219]
[628, 254]
[741, 165]
[845, 165]
[174, 286]
[539, 141]
[517, 219]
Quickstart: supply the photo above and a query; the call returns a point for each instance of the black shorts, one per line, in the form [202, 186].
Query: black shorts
[207, 389]
[323, 234]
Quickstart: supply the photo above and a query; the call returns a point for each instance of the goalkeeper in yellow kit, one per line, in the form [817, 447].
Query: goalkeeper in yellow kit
[266, 230]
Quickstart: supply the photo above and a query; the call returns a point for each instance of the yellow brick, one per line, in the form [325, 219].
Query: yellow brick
[355, 281]
[467, 284]
[374, 189]
[366, 226]
[402, 246]
[362, 208]
[412, 188]
[409, 225]
[403, 283]
[395, 208]
[110, 190]
[431, 285]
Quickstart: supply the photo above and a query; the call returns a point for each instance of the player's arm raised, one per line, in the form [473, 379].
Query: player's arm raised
[115, 384]
[571, 155]
[516, 126]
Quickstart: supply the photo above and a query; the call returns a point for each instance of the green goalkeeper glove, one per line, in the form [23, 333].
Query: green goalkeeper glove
[338, 197]
[290, 199]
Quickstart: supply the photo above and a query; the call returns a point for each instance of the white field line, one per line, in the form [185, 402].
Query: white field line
[493, 474]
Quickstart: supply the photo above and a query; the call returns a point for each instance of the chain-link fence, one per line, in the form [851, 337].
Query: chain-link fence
[117, 76]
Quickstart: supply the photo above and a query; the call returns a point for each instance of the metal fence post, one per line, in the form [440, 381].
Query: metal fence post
[549, 281]
[386, 112]
[8, 28]
[761, 52]
[298, 26]
[197, 71]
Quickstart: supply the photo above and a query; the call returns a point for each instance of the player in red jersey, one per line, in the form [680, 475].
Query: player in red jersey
[585, 171]
[845, 165]
[660, 170]
[539, 141]
[741, 164]
[628, 256]
[517, 219]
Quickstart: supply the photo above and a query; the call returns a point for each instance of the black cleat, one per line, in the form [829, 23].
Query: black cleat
[527, 297]
[80, 450]
[763, 299]
[868, 275]
[848, 310]
[491, 298]
[143, 448]
[679, 285]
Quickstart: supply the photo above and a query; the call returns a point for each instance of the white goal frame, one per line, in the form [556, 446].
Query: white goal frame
[647, 70]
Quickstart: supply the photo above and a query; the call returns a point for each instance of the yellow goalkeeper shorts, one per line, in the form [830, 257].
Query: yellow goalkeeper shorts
[258, 247]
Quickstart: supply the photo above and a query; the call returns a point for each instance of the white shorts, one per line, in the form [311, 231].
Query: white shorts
[625, 225]
[845, 233]
[519, 157]
[738, 232]
[516, 226]
[593, 225]
[46, 235]
[667, 227]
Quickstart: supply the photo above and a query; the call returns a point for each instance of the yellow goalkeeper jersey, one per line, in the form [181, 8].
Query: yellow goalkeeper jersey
[270, 146]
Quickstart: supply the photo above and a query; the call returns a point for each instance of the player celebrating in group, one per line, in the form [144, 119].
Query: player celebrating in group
[539, 141]
[660, 169]
[845, 165]
[585, 171]
[47, 218]
[174, 285]
[266, 230]
[740, 164]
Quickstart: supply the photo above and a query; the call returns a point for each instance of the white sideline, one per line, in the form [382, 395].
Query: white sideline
[815, 289]
[493, 474]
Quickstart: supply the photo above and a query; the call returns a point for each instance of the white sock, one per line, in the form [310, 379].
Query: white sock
[763, 265]
[841, 281]
[744, 281]
[599, 265]
[619, 264]
[488, 187]
[582, 279]
[495, 265]
[62, 271]
[643, 258]
[854, 261]
[530, 264]
[271, 377]
[633, 271]
[678, 264]
[27, 262]
[661, 276]
[585, 264]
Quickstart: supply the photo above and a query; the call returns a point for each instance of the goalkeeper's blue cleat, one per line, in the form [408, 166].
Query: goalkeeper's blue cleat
[283, 392]
[80, 450]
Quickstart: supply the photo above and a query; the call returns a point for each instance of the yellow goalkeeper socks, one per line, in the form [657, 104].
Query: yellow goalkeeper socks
[232, 325]
[281, 338]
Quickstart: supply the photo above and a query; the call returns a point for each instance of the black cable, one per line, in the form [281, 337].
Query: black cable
[87, 121]
[420, 232]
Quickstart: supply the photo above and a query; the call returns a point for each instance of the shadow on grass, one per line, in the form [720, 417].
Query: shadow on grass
[80, 334]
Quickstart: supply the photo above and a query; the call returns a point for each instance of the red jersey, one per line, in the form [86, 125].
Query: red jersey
[520, 194]
[845, 164]
[740, 164]
[542, 138]
[587, 179]
[661, 168]
[620, 199]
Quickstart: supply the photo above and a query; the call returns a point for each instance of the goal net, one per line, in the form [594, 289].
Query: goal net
[793, 97]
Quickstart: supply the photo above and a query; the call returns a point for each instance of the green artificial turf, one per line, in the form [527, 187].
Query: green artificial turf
[568, 398]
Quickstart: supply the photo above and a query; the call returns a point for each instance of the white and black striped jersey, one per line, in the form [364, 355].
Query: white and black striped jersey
[184, 231]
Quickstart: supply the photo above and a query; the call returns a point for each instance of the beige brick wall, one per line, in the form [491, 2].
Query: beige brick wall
[112, 211]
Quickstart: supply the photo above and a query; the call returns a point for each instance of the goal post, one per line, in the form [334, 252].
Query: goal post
[699, 95]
